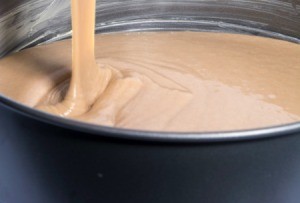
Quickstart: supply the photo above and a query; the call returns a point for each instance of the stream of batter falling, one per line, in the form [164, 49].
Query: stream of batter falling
[90, 80]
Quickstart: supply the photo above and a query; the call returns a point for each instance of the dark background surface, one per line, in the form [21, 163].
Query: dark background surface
[41, 163]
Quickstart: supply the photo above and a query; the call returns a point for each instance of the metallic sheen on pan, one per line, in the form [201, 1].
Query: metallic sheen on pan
[29, 22]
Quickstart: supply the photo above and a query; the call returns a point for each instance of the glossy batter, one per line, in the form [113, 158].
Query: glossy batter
[167, 81]
[171, 81]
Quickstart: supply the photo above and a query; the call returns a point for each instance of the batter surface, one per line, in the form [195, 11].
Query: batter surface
[170, 81]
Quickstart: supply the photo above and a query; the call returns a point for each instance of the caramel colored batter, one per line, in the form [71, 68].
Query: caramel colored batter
[168, 81]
